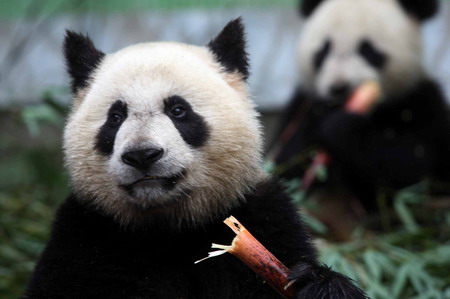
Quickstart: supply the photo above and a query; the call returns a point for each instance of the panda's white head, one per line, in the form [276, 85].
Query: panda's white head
[347, 42]
[162, 130]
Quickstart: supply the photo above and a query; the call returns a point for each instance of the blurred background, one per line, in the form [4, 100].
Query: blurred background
[408, 260]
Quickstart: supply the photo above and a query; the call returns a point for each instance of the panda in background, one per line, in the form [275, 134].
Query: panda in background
[405, 137]
[163, 143]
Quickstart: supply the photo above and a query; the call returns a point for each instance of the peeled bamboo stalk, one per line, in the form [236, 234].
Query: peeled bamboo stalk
[252, 253]
[364, 97]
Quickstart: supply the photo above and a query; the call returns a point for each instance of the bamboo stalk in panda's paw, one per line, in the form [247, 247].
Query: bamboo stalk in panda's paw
[252, 253]
[360, 102]
[364, 98]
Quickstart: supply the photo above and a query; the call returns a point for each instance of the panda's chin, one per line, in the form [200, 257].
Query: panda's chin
[155, 182]
[154, 191]
[150, 197]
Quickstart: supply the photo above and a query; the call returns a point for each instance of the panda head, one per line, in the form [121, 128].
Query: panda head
[347, 42]
[162, 130]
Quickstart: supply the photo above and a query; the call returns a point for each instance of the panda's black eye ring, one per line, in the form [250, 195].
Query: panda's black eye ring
[178, 111]
[116, 118]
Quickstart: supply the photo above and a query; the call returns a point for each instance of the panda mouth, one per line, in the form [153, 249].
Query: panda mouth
[152, 178]
[168, 182]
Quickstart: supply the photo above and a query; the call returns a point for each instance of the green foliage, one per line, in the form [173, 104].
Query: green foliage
[385, 270]
[32, 183]
[48, 113]
[409, 196]
[409, 259]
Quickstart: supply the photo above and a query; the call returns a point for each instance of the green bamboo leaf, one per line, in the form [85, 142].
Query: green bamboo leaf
[322, 173]
[405, 214]
[376, 290]
[314, 224]
[33, 116]
[346, 268]
[387, 265]
[371, 260]
[331, 258]
[269, 166]
[416, 279]
[399, 281]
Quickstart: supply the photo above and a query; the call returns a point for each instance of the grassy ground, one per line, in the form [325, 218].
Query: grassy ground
[408, 258]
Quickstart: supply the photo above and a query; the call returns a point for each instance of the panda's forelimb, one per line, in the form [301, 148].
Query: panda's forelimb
[360, 102]
[319, 281]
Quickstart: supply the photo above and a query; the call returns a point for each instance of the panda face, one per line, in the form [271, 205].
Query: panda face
[162, 130]
[347, 42]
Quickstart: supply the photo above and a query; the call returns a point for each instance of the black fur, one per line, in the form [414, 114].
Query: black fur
[229, 48]
[192, 126]
[81, 58]
[404, 140]
[117, 114]
[308, 6]
[321, 54]
[373, 56]
[322, 282]
[89, 255]
[421, 9]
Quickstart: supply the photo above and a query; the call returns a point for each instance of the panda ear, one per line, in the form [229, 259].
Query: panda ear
[308, 6]
[421, 9]
[81, 58]
[229, 48]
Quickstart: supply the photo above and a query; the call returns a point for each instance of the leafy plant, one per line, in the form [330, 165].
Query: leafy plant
[32, 183]
[409, 260]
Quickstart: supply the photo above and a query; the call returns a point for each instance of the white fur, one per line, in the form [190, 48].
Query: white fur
[346, 23]
[144, 75]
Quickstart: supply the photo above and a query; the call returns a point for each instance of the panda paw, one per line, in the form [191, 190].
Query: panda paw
[313, 281]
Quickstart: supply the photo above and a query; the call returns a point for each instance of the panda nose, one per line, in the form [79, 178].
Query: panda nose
[340, 90]
[142, 159]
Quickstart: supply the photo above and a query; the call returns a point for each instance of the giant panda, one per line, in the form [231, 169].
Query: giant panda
[162, 143]
[404, 138]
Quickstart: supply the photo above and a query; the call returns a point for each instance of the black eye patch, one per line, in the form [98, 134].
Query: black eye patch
[117, 114]
[321, 54]
[371, 54]
[192, 127]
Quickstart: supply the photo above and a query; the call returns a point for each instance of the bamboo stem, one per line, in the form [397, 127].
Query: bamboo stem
[252, 253]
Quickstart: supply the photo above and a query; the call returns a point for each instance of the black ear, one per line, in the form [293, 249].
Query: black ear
[421, 9]
[81, 58]
[308, 6]
[229, 48]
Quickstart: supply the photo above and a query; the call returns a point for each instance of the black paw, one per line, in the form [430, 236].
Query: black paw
[314, 281]
[338, 126]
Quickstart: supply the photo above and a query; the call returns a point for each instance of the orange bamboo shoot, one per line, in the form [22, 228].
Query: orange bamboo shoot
[252, 253]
